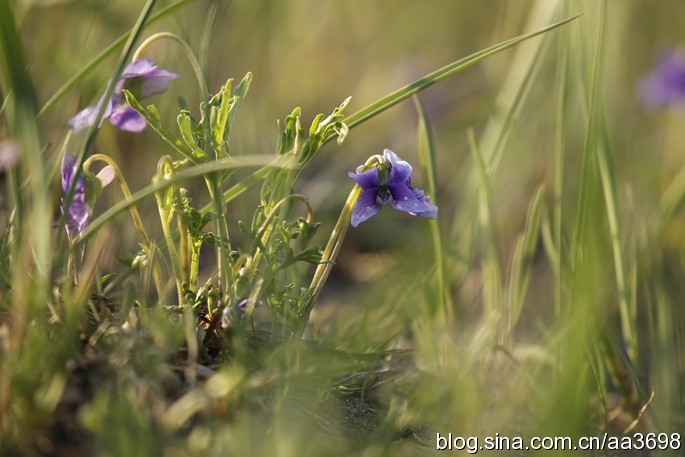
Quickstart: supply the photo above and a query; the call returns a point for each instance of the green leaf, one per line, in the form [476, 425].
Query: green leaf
[151, 116]
[523, 258]
[219, 115]
[185, 126]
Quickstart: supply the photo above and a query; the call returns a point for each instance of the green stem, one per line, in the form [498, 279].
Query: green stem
[204, 89]
[165, 168]
[328, 259]
[330, 254]
[222, 249]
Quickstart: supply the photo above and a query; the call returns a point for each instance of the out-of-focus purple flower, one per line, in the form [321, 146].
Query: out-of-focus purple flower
[80, 209]
[9, 154]
[389, 182]
[79, 212]
[144, 79]
[665, 85]
[231, 312]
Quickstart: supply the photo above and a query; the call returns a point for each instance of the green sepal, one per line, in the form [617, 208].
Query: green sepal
[93, 188]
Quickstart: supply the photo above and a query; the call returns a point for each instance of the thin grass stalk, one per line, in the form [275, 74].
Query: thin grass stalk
[427, 154]
[515, 86]
[559, 159]
[448, 70]
[627, 309]
[30, 248]
[495, 311]
[522, 260]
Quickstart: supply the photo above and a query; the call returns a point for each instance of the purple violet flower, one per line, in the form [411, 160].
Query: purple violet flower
[80, 209]
[144, 79]
[665, 85]
[390, 183]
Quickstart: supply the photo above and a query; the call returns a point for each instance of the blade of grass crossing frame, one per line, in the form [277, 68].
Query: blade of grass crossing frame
[627, 307]
[183, 175]
[427, 159]
[559, 158]
[589, 185]
[448, 70]
[492, 270]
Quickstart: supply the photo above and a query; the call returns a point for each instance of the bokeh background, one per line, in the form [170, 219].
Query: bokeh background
[314, 54]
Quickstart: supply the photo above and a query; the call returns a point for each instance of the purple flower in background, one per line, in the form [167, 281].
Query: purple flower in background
[389, 183]
[79, 212]
[10, 153]
[238, 310]
[665, 85]
[144, 79]
[80, 209]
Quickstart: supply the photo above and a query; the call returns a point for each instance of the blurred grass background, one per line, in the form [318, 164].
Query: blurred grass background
[313, 55]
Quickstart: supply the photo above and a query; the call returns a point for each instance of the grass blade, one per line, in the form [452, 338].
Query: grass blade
[492, 270]
[523, 258]
[417, 86]
[427, 159]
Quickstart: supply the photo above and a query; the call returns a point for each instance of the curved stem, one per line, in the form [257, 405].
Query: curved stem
[264, 231]
[310, 213]
[204, 89]
[137, 221]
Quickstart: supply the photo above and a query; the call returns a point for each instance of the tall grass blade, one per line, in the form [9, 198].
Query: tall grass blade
[495, 312]
[427, 158]
[522, 260]
[627, 307]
